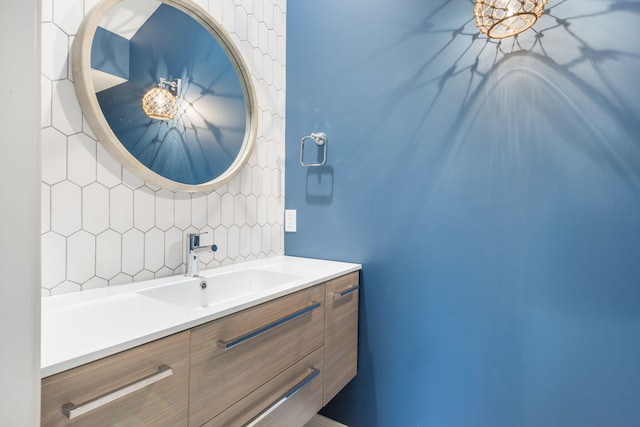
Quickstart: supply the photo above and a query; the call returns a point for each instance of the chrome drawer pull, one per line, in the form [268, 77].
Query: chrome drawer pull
[288, 395]
[71, 410]
[239, 340]
[346, 292]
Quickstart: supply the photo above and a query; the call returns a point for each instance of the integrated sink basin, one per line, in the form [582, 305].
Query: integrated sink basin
[203, 292]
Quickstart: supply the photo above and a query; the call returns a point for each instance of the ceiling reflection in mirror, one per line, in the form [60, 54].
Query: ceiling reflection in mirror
[145, 46]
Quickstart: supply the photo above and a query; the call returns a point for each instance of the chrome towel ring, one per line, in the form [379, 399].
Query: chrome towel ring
[320, 139]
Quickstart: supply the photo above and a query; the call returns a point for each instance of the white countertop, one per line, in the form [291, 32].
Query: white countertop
[83, 327]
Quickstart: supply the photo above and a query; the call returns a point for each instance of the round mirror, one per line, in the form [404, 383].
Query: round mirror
[165, 91]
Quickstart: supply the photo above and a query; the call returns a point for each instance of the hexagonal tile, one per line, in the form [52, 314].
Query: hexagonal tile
[95, 208]
[272, 210]
[276, 184]
[221, 238]
[258, 9]
[277, 238]
[81, 152]
[213, 209]
[65, 109]
[263, 38]
[273, 103]
[66, 287]
[183, 210]
[54, 50]
[226, 211]
[143, 209]
[202, 3]
[245, 240]
[53, 252]
[241, 23]
[266, 239]
[122, 279]
[246, 50]
[262, 216]
[245, 180]
[95, 283]
[132, 251]
[239, 210]
[174, 248]
[109, 171]
[143, 275]
[282, 105]
[68, 14]
[153, 249]
[121, 208]
[266, 181]
[53, 156]
[66, 208]
[81, 256]
[268, 13]
[267, 69]
[258, 64]
[278, 21]
[229, 16]
[131, 180]
[256, 239]
[233, 186]
[267, 125]
[256, 179]
[252, 31]
[108, 254]
[233, 243]
[165, 209]
[252, 210]
[163, 272]
[278, 79]
[263, 96]
[198, 210]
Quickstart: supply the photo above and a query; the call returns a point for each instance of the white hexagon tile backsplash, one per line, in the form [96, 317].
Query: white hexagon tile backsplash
[103, 226]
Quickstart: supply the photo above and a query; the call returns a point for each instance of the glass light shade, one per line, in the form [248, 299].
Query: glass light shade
[499, 19]
[158, 103]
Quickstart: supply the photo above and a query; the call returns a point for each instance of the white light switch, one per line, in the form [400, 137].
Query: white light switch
[290, 220]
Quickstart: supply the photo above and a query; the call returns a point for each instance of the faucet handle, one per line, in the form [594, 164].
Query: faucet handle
[194, 239]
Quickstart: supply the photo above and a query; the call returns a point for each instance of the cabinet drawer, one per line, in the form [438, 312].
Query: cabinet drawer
[341, 333]
[290, 399]
[144, 386]
[233, 356]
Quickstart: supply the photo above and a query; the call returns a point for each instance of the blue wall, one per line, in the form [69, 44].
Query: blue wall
[491, 191]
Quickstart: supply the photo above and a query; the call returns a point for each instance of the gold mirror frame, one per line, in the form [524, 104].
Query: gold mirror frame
[85, 91]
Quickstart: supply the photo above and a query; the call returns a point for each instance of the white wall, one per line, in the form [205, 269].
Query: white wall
[19, 216]
[101, 225]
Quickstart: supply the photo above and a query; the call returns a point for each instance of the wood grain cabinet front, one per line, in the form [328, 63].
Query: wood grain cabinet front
[290, 399]
[144, 386]
[341, 333]
[233, 356]
[274, 364]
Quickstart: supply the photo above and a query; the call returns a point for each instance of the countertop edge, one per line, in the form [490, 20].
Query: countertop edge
[145, 338]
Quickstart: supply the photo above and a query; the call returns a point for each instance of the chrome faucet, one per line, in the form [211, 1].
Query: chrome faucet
[194, 250]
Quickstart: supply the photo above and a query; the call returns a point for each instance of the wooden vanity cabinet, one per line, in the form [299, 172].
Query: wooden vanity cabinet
[163, 363]
[341, 333]
[290, 399]
[274, 364]
[233, 356]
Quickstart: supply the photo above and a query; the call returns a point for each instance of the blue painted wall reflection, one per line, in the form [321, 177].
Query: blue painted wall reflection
[202, 141]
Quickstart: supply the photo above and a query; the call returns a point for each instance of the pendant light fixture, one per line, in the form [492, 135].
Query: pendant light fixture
[500, 19]
[161, 102]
